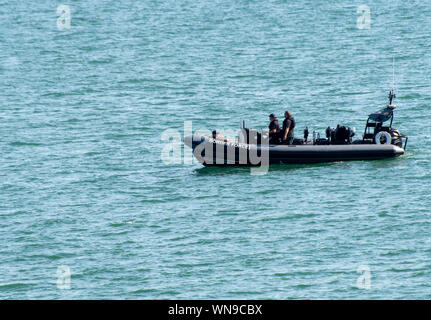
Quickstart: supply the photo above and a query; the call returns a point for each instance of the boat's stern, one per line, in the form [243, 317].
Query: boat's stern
[398, 151]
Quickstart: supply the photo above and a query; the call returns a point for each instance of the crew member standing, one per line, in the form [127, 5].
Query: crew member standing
[288, 126]
[274, 130]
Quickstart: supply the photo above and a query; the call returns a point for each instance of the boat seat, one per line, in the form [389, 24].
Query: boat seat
[368, 136]
[298, 141]
[385, 129]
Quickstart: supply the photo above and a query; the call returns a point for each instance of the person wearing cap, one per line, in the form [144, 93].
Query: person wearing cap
[274, 129]
[288, 126]
[217, 136]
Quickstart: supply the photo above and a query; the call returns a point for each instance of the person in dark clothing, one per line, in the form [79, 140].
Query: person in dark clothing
[217, 136]
[288, 126]
[274, 130]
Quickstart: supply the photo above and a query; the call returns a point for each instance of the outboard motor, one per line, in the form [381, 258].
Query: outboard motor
[396, 137]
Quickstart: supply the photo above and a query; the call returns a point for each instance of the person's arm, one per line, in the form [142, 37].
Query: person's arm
[287, 130]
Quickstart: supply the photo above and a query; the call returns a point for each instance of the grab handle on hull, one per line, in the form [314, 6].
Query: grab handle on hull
[405, 143]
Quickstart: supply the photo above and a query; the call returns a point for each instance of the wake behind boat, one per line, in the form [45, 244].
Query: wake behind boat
[379, 141]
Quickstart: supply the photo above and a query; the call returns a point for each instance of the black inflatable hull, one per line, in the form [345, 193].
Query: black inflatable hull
[210, 152]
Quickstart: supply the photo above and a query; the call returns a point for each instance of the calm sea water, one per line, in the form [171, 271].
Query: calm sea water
[83, 189]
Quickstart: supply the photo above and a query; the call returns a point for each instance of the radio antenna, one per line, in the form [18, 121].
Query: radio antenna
[393, 74]
[392, 92]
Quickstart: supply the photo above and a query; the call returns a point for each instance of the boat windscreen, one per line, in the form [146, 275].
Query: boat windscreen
[382, 115]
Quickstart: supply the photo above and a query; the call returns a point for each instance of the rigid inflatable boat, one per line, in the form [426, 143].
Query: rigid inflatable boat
[379, 141]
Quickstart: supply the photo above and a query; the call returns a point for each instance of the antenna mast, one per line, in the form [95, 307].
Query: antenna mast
[392, 92]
